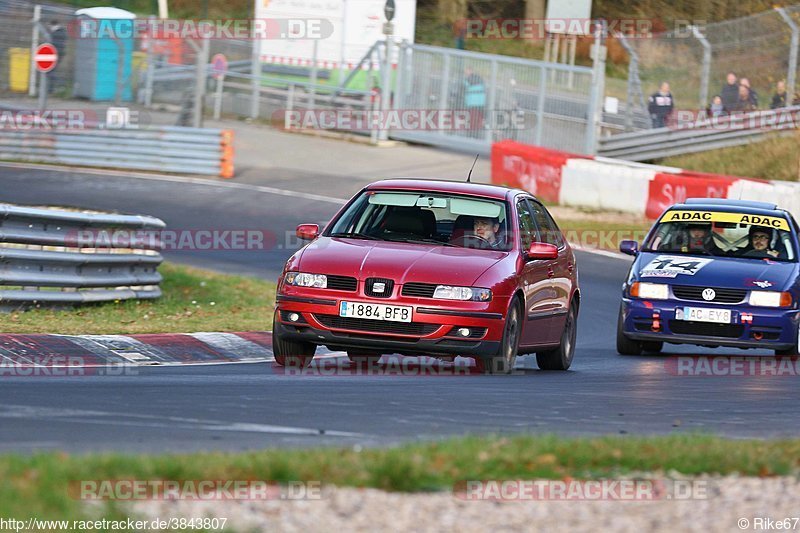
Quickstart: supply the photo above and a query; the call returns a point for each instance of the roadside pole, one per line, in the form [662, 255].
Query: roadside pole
[219, 66]
[386, 81]
[595, 115]
[37, 17]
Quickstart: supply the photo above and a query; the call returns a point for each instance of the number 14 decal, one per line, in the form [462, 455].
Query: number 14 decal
[676, 264]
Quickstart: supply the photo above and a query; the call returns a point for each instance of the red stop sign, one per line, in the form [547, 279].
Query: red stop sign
[46, 57]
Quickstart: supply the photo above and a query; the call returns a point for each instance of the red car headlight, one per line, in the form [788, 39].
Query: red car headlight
[304, 279]
[475, 294]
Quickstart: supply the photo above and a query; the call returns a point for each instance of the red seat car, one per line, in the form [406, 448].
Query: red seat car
[435, 268]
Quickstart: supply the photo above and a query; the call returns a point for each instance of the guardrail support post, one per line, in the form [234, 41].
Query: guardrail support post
[151, 70]
[312, 90]
[791, 76]
[386, 88]
[200, 84]
[595, 110]
[255, 80]
[37, 17]
[706, 66]
[490, 121]
[444, 90]
[540, 105]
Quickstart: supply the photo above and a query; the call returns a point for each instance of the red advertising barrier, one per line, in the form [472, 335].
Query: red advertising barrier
[669, 189]
[532, 168]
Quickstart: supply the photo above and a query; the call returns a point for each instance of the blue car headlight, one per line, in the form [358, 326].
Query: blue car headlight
[650, 291]
[770, 299]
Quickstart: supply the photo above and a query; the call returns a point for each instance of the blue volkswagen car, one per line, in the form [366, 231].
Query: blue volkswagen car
[713, 272]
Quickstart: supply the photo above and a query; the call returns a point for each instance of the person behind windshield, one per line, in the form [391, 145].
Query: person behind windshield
[760, 238]
[486, 228]
[701, 239]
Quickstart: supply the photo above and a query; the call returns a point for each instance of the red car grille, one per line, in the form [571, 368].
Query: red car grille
[376, 326]
[342, 283]
[419, 290]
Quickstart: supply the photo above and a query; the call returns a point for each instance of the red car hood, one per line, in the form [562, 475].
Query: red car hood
[400, 262]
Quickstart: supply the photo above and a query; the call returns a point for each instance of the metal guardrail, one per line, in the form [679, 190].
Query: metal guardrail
[45, 257]
[160, 148]
[687, 138]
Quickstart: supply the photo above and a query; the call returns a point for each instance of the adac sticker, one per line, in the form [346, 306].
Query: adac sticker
[679, 215]
[669, 266]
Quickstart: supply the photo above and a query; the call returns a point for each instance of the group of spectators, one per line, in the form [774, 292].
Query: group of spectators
[736, 96]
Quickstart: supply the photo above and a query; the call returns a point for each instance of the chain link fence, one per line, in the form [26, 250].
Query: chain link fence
[500, 98]
[696, 60]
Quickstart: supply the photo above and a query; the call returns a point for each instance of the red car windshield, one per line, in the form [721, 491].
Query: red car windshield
[426, 218]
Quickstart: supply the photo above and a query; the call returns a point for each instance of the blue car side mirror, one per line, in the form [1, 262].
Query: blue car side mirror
[629, 247]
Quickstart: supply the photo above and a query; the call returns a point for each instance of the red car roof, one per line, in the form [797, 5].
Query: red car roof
[458, 187]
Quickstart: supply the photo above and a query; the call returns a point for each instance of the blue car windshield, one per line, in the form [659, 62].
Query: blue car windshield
[723, 234]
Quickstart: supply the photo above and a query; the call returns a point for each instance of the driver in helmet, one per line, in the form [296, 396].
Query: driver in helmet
[701, 239]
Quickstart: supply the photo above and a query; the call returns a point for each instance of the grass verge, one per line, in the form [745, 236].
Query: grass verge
[193, 300]
[39, 485]
[774, 158]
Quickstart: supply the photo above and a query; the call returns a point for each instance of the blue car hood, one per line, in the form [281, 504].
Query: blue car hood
[709, 271]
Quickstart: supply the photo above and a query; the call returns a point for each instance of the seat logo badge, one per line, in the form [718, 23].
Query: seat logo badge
[378, 286]
[709, 294]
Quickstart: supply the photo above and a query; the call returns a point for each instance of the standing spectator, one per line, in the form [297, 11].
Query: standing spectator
[744, 103]
[716, 109]
[660, 106]
[780, 96]
[58, 37]
[460, 33]
[753, 93]
[474, 100]
[730, 93]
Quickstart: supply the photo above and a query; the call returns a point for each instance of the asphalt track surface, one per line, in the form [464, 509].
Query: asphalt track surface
[243, 406]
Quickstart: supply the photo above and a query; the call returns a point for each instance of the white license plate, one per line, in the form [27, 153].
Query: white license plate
[702, 314]
[392, 313]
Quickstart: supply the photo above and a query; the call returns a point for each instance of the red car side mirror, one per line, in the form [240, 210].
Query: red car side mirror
[307, 232]
[542, 250]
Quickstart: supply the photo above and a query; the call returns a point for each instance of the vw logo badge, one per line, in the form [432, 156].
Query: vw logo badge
[378, 287]
[709, 294]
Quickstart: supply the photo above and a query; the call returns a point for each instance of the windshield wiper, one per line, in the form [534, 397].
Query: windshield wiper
[356, 235]
[424, 241]
[699, 251]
